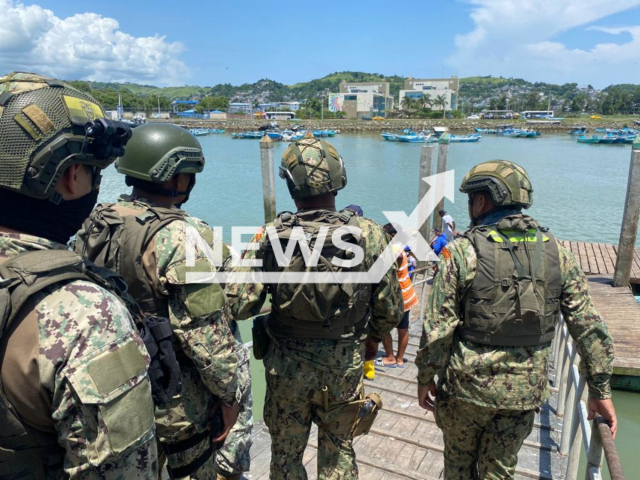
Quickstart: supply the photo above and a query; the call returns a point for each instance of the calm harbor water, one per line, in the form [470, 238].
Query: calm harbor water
[579, 189]
[579, 193]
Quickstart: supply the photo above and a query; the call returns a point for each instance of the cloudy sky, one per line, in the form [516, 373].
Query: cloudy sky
[211, 41]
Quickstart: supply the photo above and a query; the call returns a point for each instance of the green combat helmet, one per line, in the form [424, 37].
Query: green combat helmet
[312, 167]
[46, 126]
[159, 151]
[507, 182]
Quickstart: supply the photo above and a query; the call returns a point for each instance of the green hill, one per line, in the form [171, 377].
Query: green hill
[475, 92]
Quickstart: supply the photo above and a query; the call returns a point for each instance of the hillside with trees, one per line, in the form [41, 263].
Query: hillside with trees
[476, 93]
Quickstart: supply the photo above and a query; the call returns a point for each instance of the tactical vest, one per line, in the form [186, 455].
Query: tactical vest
[24, 451]
[118, 243]
[328, 311]
[514, 298]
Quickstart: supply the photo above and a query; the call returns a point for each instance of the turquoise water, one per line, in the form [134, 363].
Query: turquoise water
[579, 189]
[627, 437]
[579, 193]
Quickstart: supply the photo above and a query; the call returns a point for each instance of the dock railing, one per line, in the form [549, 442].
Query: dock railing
[577, 433]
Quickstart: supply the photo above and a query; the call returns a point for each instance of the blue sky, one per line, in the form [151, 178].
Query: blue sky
[210, 42]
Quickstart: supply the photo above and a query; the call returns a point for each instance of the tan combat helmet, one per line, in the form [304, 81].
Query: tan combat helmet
[507, 183]
[46, 126]
[312, 167]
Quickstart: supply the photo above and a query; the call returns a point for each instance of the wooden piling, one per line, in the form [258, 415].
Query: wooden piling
[426, 168]
[443, 154]
[268, 179]
[630, 218]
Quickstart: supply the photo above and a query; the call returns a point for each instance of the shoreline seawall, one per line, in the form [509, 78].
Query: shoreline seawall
[357, 126]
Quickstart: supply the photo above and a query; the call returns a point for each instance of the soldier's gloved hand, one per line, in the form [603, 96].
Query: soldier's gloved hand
[605, 408]
[229, 417]
[427, 396]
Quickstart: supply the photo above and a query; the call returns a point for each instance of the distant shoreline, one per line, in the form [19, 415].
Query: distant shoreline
[355, 126]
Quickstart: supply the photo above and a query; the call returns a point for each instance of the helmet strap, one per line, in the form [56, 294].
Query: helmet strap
[159, 190]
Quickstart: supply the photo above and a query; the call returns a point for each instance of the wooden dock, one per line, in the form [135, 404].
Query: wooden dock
[600, 258]
[405, 443]
[618, 306]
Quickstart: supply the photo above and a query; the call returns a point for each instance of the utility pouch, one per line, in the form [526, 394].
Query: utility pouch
[164, 370]
[356, 417]
[261, 340]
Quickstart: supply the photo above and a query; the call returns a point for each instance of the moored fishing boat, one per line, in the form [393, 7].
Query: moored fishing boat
[415, 138]
[198, 132]
[490, 131]
[592, 139]
[248, 135]
[390, 137]
[276, 136]
[579, 131]
[608, 139]
[464, 139]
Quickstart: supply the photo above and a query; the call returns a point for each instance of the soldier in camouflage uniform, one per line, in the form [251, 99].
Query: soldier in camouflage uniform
[314, 362]
[161, 163]
[75, 396]
[489, 325]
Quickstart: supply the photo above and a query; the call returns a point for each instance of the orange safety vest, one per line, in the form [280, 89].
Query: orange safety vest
[408, 293]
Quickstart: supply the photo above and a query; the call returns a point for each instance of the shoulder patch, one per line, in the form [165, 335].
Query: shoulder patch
[445, 253]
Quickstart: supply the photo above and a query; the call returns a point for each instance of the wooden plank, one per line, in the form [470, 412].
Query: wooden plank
[609, 263]
[584, 259]
[613, 255]
[600, 260]
[593, 261]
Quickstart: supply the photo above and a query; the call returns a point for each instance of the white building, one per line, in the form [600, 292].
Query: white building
[362, 100]
[293, 106]
[416, 88]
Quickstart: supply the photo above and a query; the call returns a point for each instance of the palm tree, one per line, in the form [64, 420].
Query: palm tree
[426, 101]
[407, 103]
[441, 101]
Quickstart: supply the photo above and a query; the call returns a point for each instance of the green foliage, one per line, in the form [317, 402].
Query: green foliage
[210, 103]
[476, 93]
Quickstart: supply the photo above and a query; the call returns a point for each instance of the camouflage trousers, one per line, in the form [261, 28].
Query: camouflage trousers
[480, 442]
[294, 401]
[233, 458]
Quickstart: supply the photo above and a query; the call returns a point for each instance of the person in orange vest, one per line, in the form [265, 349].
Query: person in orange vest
[410, 300]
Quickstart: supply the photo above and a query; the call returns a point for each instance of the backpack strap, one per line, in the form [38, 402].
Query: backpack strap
[28, 273]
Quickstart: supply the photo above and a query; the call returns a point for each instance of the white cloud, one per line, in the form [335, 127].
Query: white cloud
[84, 46]
[517, 39]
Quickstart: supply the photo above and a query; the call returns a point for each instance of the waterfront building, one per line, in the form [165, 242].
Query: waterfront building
[416, 88]
[292, 106]
[175, 103]
[263, 107]
[362, 100]
[240, 107]
[217, 115]
[280, 115]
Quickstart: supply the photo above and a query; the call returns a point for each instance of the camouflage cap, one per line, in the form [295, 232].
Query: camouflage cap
[312, 167]
[507, 182]
[42, 130]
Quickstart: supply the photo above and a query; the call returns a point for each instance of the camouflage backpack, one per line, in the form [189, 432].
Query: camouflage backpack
[23, 276]
[117, 242]
[332, 310]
